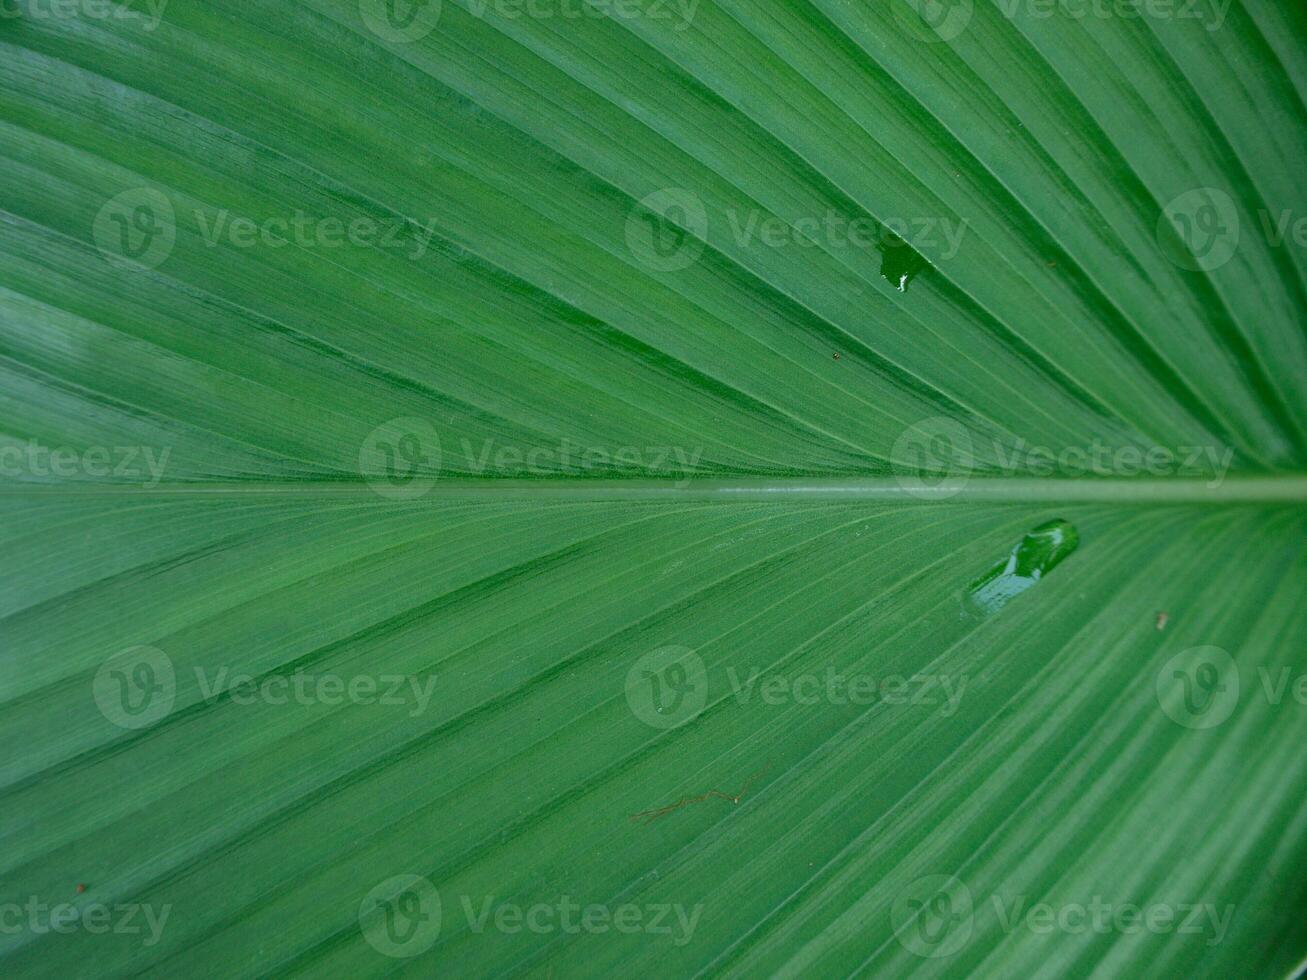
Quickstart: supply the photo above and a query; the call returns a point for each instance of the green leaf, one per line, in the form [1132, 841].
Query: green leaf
[652, 488]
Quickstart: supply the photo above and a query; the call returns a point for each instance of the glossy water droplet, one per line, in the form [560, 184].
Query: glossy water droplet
[1037, 554]
[900, 262]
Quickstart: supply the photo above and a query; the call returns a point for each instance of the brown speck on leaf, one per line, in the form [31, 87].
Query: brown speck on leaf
[1161, 620]
[81, 888]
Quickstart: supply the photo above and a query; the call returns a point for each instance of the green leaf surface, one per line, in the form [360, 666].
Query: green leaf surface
[654, 489]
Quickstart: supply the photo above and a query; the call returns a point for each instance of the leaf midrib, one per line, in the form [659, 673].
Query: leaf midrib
[1281, 488]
